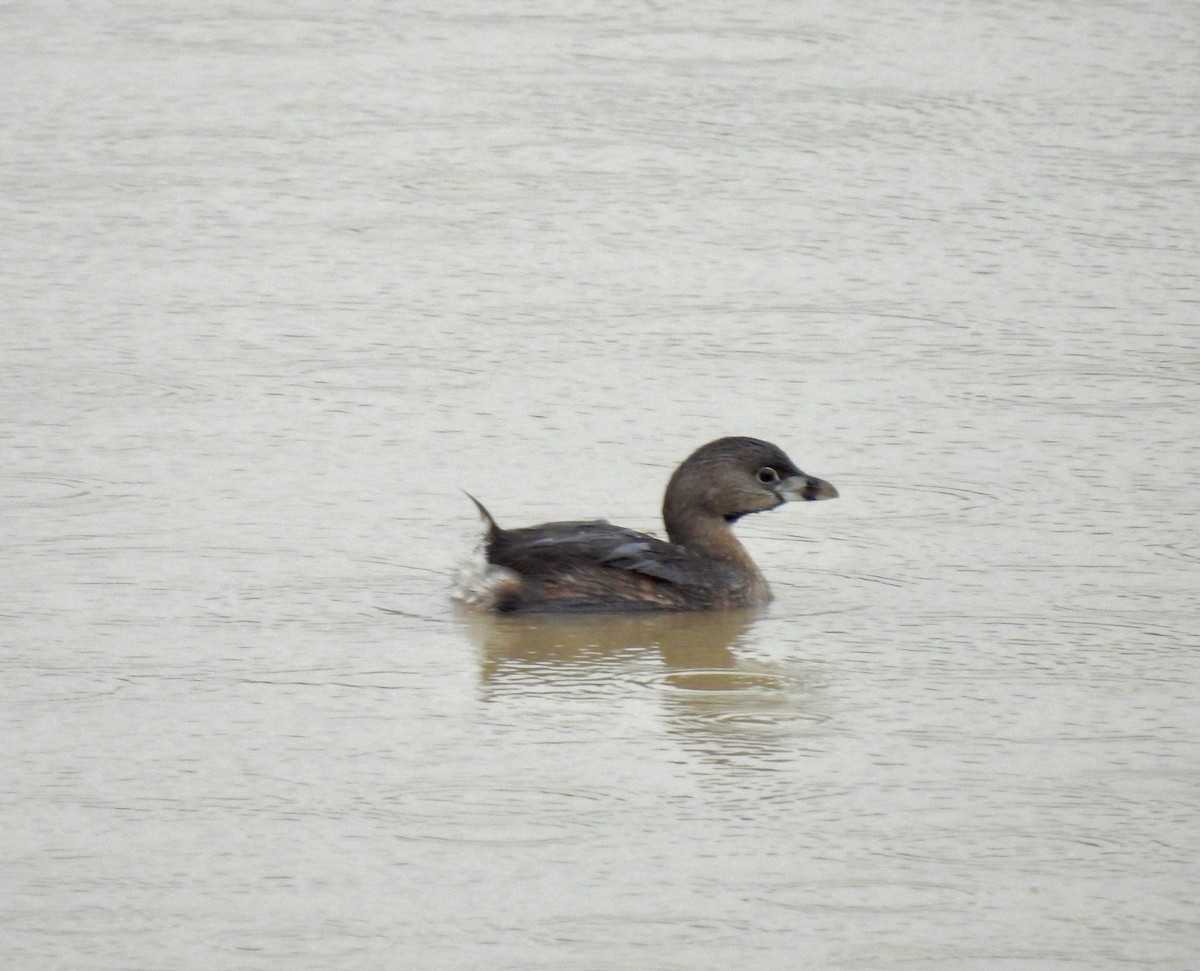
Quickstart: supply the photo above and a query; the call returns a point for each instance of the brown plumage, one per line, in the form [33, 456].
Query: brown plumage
[596, 566]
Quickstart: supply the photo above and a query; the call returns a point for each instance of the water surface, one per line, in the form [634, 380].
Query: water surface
[278, 283]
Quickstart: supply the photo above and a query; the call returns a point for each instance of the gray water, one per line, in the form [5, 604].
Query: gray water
[280, 279]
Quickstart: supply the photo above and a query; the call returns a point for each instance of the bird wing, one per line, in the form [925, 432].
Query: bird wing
[554, 547]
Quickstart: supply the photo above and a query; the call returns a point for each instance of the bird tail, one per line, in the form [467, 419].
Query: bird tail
[492, 528]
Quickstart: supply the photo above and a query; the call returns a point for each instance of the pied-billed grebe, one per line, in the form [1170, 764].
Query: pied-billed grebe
[595, 566]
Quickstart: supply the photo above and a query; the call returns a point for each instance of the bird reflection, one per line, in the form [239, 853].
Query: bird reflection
[725, 707]
[530, 648]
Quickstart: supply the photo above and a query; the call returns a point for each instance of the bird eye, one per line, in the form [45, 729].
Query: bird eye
[766, 475]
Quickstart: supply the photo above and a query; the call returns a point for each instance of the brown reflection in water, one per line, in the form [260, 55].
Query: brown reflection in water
[548, 646]
[723, 705]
